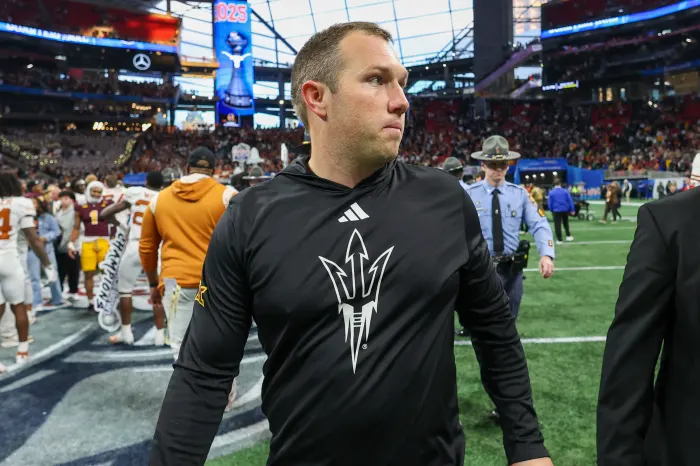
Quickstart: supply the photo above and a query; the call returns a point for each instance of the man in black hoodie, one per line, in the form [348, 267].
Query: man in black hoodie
[351, 265]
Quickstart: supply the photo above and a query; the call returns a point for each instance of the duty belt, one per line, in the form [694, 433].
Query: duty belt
[502, 259]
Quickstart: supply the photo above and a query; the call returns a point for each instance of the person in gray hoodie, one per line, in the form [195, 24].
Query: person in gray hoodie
[67, 267]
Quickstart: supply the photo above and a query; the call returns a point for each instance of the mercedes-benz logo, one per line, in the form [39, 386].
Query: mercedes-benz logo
[141, 61]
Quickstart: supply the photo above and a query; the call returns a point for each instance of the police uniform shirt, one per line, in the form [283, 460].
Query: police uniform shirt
[515, 207]
[463, 184]
[353, 292]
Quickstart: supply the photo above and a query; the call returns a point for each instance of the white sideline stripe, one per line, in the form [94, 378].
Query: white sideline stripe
[251, 395]
[154, 369]
[601, 228]
[55, 348]
[577, 269]
[127, 355]
[38, 375]
[545, 341]
[239, 435]
[169, 367]
[615, 241]
[622, 204]
[69, 340]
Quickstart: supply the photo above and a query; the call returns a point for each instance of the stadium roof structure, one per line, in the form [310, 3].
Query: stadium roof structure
[425, 31]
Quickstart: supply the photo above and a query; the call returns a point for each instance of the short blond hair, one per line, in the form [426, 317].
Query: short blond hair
[320, 59]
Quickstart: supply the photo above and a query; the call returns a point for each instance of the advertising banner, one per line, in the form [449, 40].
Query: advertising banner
[29, 31]
[234, 51]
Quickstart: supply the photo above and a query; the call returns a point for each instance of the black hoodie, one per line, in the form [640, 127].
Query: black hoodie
[353, 292]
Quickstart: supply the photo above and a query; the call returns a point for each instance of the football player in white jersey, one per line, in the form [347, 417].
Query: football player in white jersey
[78, 187]
[115, 193]
[17, 213]
[136, 199]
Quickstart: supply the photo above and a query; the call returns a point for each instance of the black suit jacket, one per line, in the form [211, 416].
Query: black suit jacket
[639, 422]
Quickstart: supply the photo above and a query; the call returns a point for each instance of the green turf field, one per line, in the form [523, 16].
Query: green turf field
[565, 376]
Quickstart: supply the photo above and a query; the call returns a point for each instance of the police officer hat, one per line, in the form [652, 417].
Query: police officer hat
[452, 165]
[495, 148]
[256, 173]
[305, 147]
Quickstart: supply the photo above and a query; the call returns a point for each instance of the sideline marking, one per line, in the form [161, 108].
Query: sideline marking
[55, 348]
[544, 340]
[614, 241]
[580, 269]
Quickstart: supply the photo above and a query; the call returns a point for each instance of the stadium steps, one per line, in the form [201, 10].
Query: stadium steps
[529, 84]
[516, 59]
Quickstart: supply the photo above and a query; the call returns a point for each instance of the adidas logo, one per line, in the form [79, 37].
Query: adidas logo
[353, 214]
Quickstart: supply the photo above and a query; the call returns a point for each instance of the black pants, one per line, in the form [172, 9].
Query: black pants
[611, 208]
[69, 268]
[559, 218]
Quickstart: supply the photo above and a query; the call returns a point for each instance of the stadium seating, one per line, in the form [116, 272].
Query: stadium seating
[568, 12]
[93, 20]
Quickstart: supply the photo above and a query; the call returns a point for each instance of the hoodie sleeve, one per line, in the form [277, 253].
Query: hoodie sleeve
[482, 306]
[149, 242]
[210, 356]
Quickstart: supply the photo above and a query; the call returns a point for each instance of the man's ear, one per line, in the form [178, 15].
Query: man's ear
[315, 94]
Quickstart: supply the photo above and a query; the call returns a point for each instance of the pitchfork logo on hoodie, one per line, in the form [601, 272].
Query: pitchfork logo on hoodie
[357, 309]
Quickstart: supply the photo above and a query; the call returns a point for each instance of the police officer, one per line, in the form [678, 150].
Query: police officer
[502, 206]
[454, 167]
[255, 176]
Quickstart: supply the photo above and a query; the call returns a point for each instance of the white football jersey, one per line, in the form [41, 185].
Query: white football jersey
[16, 213]
[22, 245]
[139, 198]
[115, 195]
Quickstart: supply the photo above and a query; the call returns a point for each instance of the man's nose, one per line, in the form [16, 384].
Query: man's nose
[398, 103]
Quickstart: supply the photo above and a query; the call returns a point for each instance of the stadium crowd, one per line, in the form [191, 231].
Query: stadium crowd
[615, 136]
[77, 81]
[618, 136]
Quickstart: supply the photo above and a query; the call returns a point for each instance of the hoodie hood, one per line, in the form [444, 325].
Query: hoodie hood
[192, 188]
[299, 171]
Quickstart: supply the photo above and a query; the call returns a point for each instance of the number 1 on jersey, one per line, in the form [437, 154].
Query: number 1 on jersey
[5, 227]
[94, 217]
